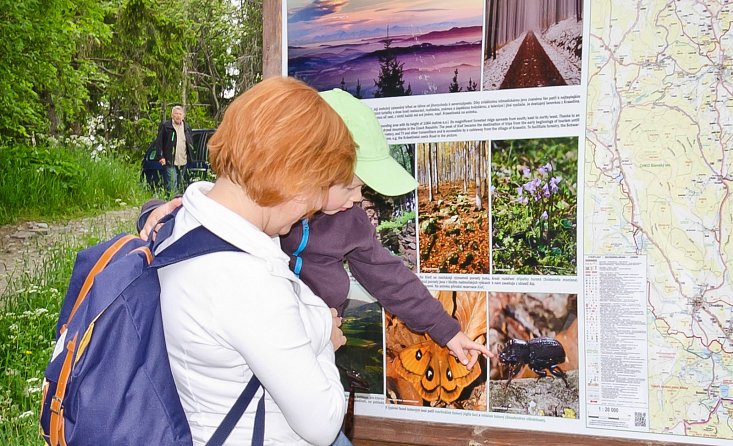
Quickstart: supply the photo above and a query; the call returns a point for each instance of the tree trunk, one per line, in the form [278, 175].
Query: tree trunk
[53, 117]
[489, 30]
[496, 30]
[430, 171]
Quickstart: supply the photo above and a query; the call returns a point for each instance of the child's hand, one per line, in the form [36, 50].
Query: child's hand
[161, 211]
[337, 336]
[460, 345]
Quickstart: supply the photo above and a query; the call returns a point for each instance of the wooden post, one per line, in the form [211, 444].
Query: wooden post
[271, 38]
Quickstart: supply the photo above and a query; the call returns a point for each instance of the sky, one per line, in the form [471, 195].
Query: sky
[312, 21]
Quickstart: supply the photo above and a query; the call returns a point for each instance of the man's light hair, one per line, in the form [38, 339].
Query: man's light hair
[178, 107]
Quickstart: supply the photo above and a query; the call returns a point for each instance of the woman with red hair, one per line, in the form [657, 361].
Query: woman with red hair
[229, 316]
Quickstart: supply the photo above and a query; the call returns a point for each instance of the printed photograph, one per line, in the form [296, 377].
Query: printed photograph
[453, 182]
[532, 43]
[535, 339]
[361, 360]
[422, 373]
[534, 206]
[375, 49]
[394, 217]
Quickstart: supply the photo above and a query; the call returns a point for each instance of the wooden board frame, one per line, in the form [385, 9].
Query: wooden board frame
[369, 431]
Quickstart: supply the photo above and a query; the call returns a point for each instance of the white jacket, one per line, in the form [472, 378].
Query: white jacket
[228, 314]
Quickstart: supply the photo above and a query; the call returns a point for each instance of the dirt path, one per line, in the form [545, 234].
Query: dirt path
[532, 67]
[24, 246]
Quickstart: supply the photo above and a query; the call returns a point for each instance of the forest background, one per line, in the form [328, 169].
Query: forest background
[85, 83]
[110, 70]
[83, 87]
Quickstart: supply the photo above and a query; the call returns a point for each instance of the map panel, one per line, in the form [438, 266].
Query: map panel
[658, 183]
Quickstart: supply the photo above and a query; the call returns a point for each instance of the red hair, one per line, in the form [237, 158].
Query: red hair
[280, 139]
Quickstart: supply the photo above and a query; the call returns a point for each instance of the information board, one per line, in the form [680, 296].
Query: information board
[574, 168]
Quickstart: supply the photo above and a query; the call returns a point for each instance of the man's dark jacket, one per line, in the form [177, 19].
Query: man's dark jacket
[165, 142]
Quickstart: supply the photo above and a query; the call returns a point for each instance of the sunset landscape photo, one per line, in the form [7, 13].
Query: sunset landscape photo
[386, 48]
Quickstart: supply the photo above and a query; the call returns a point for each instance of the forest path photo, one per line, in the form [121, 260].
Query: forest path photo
[553, 27]
[532, 67]
[454, 230]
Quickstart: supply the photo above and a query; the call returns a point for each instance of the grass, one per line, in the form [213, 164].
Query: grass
[49, 182]
[27, 320]
[56, 181]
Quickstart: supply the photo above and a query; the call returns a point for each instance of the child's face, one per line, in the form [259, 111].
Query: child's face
[342, 197]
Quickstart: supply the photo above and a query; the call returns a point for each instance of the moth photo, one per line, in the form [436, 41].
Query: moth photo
[422, 373]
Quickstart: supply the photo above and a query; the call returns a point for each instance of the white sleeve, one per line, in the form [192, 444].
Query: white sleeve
[286, 343]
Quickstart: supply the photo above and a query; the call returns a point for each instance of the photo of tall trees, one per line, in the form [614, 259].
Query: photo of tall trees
[453, 216]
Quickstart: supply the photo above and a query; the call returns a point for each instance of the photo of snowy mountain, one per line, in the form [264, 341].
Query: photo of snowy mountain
[386, 49]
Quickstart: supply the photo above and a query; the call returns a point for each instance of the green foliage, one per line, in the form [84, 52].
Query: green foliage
[196, 53]
[404, 154]
[534, 206]
[56, 180]
[27, 322]
[142, 64]
[115, 68]
[42, 72]
[249, 44]
[221, 38]
[398, 223]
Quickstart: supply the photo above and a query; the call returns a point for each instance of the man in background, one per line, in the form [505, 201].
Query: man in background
[173, 148]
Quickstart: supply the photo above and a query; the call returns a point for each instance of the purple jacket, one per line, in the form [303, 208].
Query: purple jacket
[350, 236]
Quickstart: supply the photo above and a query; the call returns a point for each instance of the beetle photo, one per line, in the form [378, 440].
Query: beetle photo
[539, 354]
[533, 335]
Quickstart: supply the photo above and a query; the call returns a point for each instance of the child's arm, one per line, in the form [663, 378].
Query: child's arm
[402, 293]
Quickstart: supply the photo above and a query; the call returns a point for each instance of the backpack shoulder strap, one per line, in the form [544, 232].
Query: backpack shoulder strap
[235, 413]
[200, 241]
[197, 242]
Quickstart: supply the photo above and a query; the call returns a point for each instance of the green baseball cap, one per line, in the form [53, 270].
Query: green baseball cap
[374, 165]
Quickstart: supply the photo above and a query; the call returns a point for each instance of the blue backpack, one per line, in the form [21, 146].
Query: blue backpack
[109, 381]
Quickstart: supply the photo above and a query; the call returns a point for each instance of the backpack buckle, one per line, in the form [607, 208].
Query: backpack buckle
[56, 404]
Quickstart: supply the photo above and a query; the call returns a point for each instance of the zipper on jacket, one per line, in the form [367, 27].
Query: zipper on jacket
[301, 247]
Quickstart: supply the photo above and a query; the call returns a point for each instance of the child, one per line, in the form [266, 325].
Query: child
[342, 232]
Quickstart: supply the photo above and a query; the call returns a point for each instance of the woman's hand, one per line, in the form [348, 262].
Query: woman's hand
[151, 224]
[337, 336]
[461, 347]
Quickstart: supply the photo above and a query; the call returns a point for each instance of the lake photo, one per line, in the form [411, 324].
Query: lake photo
[386, 48]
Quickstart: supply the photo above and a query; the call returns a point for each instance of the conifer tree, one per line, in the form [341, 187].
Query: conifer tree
[453, 87]
[390, 82]
[472, 86]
